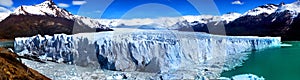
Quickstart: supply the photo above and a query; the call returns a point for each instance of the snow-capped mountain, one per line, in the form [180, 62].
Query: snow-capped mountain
[45, 19]
[264, 18]
[268, 8]
[293, 8]
[170, 22]
[163, 22]
[268, 20]
[46, 8]
[196, 20]
[49, 8]
[93, 23]
[230, 17]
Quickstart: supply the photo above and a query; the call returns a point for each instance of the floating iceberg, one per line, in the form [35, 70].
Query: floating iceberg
[247, 77]
[145, 50]
[243, 77]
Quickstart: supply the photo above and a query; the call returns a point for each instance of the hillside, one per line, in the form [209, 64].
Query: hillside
[13, 69]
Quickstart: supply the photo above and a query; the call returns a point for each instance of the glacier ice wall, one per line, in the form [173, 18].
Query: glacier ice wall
[149, 51]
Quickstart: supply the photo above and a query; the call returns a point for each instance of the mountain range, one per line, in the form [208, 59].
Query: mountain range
[267, 20]
[47, 18]
[270, 20]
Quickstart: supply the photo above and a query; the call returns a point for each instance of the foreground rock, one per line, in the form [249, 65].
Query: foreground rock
[12, 69]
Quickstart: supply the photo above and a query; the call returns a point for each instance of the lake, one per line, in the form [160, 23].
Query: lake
[273, 64]
[9, 44]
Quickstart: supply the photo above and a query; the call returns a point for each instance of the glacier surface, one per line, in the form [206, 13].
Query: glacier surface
[146, 50]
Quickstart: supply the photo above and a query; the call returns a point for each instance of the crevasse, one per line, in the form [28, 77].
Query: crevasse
[149, 51]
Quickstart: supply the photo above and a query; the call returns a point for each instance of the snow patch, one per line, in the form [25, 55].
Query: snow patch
[293, 8]
[3, 16]
[268, 8]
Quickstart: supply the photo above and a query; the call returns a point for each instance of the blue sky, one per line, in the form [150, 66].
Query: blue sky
[147, 8]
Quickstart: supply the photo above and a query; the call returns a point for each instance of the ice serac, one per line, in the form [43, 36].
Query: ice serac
[149, 51]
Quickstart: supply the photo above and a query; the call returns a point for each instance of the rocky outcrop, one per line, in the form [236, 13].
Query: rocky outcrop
[13, 69]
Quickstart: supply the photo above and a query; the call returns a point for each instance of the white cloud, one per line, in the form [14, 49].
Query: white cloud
[7, 3]
[4, 10]
[78, 2]
[238, 2]
[98, 11]
[63, 5]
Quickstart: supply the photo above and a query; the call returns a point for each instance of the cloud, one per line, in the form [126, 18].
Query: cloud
[7, 3]
[4, 10]
[78, 2]
[98, 11]
[93, 12]
[237, 2]
[63, 5]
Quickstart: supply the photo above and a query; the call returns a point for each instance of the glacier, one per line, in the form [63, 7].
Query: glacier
[151, 51]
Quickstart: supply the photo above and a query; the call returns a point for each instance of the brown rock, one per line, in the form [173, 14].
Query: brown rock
[12, 69]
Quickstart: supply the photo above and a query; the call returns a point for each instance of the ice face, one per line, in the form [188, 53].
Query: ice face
[149, 51]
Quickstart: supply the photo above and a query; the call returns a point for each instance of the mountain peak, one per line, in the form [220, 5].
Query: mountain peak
[48, 8]
[267, 8]
[47, 3]
[231, 16]
[295, 6]
[281, 4]
[292, 8]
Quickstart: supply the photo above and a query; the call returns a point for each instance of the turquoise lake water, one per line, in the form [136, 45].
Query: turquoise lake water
[6, 43]
[273, 64]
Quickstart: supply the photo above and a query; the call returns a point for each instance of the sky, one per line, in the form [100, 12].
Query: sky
[128, 9]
